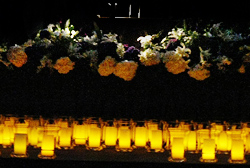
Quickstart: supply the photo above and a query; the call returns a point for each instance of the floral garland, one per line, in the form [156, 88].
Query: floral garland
[61, 48]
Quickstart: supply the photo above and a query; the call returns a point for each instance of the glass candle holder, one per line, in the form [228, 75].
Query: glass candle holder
[125, 134]
[33, 132]
[237, 152]
[140, 135]
[48, 147]
[110, 133]
[65, 138]
[80, 131]
[177, 150]
[203, 132]
[20, 146]
[208, 151]
[155, 139]
[94, 134]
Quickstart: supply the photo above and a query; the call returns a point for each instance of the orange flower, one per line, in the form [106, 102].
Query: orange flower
[199, 72]
[64, 65]
[107, 66]
[176, 65]
[242, 69]
[126, 70]
[17, 56]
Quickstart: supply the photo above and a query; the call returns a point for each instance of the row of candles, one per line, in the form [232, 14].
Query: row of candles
[124, 135]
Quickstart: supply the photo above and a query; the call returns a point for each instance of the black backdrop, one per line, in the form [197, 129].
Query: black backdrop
[153, 93]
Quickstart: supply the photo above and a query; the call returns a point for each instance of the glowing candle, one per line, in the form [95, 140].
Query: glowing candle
[110, 136]
[201, 135]
[7, 131]
[222, 142]
[65, 137]
[237, 151]
[48, 146]
[177, 150]
[33, 136]
[95, 137]
[140, 136]
[156, 140]
[124, 138]
[20, 144]
[191, 141]
[208, 150]
[80, 134]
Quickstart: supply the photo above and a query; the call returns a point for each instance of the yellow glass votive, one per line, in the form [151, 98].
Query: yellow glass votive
[20, 145]
[110, 135]
[177, 150]
[156, 140]
[140, 136]
[94, 137]
[124, 138]
[65, 137]
[237, 151]
[191, 141]
[222, 142]
[208, 150]
[48, 146]
[80, 134]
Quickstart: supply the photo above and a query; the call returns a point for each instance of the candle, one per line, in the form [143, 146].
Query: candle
[177, 151]
[140, 136]
[95, 137]
[156, 139]
[237, 151]
[110, 136]
[65, 137]
[80, 134]
[48, 146]
[20, 144]
[208, 150]
[124, 138]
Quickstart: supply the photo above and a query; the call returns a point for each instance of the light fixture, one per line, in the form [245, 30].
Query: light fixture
[208, 151]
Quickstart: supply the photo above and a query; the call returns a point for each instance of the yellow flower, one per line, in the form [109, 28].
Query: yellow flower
[126, 70]
[64, 65]
[242, 69]
[107, 66]
[199, 72]
[17, 56]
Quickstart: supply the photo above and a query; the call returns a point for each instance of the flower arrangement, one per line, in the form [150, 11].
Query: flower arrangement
[61, 49]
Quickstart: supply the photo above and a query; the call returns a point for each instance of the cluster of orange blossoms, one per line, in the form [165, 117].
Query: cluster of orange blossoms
[107, 67]
[125, 69]
[64, 65]
[174, 63]
[17, 56]
[242, 69]
[199, 72]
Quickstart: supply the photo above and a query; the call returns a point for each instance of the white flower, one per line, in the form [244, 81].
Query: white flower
[145, 41]
[50, 28]
[120, 49]
[109, 38]
[177, 34]
[182, 51]
[73, 33]
[92, 40]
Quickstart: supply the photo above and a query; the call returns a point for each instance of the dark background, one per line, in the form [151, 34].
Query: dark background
[153, 93]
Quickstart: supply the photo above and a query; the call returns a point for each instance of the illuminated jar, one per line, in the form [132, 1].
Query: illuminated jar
[203, 132]
[177, 150]
[52, 128]
[8, 131]
[21, 126]
[222, 143]
[48, 147]
[20, 145]
[208, 151]
[33, 132]
[125, 134]
[110, 132]
[65, 138]
[94, 134]
[80, 132]
[237, 151]
[155, 137]
[140, 135]
[166, 135]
